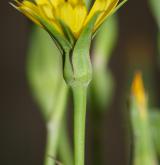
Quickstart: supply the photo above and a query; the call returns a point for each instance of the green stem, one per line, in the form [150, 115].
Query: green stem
[54, 126]
[52, 138]
[65, 151]
[80, 97]
[97, 123]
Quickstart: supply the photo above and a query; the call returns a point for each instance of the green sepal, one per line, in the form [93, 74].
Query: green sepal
[116, 8]
[60, 39]
[67, 68]
[79, 70]
[81, 53]
[67, 32]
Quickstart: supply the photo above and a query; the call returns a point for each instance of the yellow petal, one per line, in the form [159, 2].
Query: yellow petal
[80, 13]
[75, 2]
[56, 3]
[45, 7]
[47, 11]
[42, 2]
[30, 5]
[65, 12]
[27, 8]
[108, 10]
[53, 3]
[31, 18]
[99, 5]
[73, 17]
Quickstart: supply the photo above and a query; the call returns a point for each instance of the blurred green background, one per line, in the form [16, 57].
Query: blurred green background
[22, 129]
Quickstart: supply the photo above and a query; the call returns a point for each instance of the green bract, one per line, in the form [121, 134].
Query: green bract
[77, 64]
[75, 54]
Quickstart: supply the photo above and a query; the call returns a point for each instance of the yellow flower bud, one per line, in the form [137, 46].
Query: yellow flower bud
[138, 92]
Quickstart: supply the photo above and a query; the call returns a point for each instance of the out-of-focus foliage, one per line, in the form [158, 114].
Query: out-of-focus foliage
[155, 6]
[103, 83]
[65, 151]
[44, 71]
[144, 152]
[159, 46]
[155, 129]
[106, 39]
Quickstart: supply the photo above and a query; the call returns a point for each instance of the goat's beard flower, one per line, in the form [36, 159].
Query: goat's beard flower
[72, 27]
[73, 13]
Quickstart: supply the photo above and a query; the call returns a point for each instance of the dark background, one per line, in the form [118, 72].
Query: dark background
[22, 130]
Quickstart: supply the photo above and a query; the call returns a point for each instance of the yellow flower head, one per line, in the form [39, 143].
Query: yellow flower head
[71, 26]
[138, 92]
[73, 13]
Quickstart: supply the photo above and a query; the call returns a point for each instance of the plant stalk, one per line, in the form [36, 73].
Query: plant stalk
[54, 127]
[65, 150]
[80, 97]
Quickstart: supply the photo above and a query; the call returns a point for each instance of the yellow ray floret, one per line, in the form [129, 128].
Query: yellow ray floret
[73, 13]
